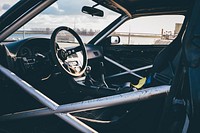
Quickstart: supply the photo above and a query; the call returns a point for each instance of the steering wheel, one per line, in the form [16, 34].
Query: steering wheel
[60, 55]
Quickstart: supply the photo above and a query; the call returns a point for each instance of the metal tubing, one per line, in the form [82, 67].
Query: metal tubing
[46, 101]
[134, 70]
[108, 101]
[122, 67]
[121, 8]
[76, 123]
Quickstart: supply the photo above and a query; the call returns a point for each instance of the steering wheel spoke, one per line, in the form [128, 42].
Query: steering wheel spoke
[73, 50]
[69, 67]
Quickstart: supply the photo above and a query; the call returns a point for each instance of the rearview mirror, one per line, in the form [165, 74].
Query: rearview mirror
[92, 11]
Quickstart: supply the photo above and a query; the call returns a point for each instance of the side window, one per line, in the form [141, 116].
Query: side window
[149, 30]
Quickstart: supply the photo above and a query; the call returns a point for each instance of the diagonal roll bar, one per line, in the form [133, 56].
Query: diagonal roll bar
[46, 101]
[63, 111]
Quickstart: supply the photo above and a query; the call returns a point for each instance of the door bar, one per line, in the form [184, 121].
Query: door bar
[46, 101]
[122, 67]
[134, 70]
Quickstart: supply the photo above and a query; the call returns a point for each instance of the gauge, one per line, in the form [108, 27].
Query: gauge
[25, 52]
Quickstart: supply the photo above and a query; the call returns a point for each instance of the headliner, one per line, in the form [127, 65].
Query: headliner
[146, 6]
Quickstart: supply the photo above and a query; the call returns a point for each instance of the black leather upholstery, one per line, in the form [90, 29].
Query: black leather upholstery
[167, 60]
[166, 55]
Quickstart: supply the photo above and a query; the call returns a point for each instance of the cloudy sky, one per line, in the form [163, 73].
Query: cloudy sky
[68, 13]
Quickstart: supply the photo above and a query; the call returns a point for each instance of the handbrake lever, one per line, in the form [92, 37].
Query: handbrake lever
[102, 74]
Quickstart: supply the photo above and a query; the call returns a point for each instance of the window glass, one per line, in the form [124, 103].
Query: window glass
[66, 13]
[149, 30]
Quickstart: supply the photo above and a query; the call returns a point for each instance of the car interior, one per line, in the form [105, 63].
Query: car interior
[69, 73]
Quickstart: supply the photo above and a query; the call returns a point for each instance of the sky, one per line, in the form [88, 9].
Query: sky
[68, 13]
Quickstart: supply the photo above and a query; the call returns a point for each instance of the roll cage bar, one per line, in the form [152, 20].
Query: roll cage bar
[63, 111]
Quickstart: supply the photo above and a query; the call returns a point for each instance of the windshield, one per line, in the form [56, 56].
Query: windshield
[65, 13]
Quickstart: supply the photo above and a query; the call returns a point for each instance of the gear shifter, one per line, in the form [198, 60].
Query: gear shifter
[89, 80]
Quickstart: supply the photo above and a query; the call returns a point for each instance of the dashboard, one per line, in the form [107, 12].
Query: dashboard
[33, 58]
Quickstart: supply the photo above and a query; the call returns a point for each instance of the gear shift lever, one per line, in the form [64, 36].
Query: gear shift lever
[88, 69]
[89, 80]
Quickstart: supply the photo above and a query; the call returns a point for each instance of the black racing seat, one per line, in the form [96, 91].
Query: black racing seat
[164, 67]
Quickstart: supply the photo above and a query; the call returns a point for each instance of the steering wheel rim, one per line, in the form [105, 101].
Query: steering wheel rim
[59, 55]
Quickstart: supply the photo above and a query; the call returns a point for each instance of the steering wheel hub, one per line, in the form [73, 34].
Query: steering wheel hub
[62, 54]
